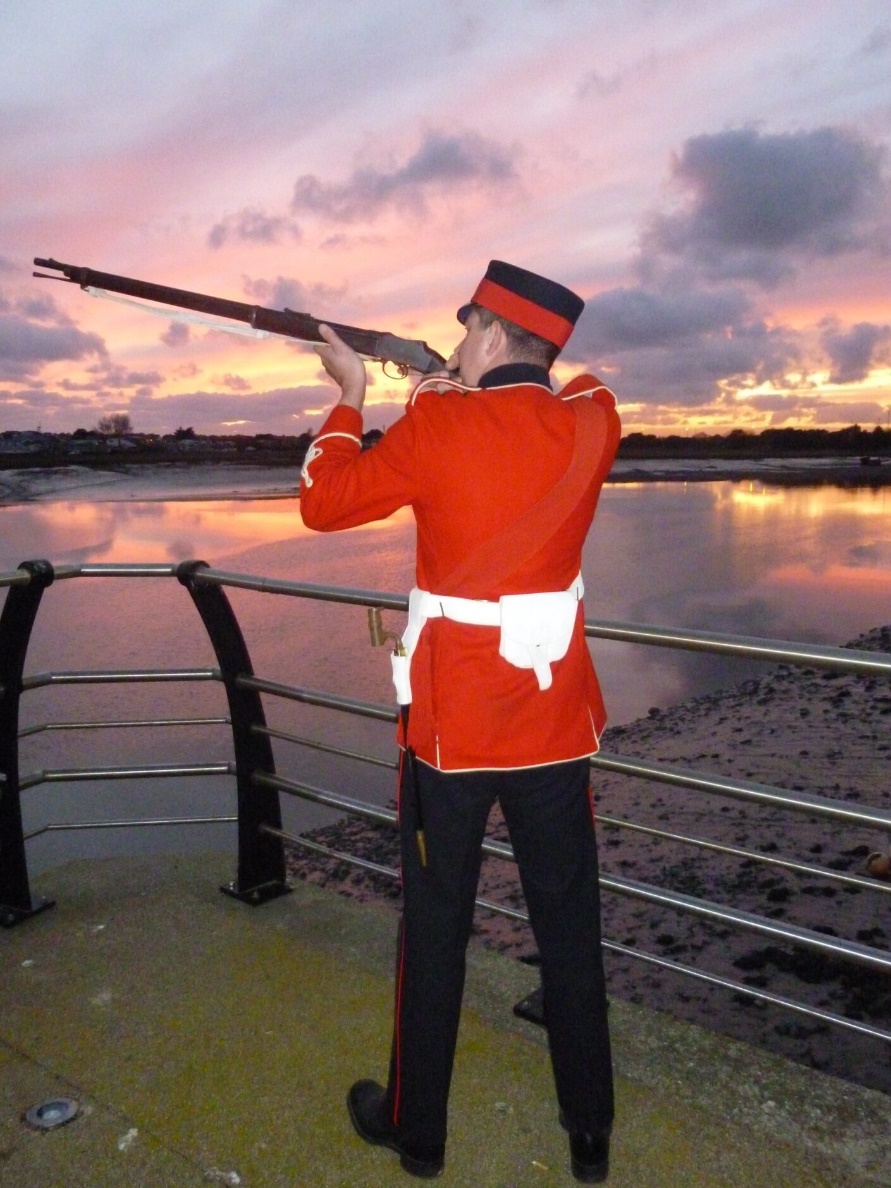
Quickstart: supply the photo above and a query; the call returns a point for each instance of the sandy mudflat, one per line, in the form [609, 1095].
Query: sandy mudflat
[782, 472]
[164, 481]
[161, 482]
[802, 729]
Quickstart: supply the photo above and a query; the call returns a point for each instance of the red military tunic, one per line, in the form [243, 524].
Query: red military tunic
[470, 462]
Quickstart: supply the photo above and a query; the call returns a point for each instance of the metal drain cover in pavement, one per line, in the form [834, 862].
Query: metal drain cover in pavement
[55, 1112]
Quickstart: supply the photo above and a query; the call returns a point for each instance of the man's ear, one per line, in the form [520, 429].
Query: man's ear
[496, 340]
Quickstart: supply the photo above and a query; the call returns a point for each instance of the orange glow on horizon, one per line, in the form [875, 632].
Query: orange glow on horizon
[213, 364]
[808, 502]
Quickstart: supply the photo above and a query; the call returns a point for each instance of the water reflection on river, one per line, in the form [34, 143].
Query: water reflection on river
[808, 564]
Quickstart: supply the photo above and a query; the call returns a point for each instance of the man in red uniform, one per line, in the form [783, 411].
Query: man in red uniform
[503, 476]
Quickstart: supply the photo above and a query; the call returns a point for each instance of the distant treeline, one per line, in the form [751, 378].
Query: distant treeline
[769, 443]
[270, 449]
[94, 449]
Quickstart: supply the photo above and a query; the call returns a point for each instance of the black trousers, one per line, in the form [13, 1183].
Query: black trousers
[549, 817]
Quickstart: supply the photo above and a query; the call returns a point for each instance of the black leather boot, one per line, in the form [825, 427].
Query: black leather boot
[589, 1156]
[588, 1153]
[367, 1104]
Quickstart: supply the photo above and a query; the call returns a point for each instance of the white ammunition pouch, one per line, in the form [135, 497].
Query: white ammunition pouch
[536, 629]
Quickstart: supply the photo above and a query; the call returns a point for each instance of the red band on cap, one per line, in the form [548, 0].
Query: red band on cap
[523, 312]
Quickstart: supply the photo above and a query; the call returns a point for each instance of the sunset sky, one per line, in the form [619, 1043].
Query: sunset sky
[713, 178]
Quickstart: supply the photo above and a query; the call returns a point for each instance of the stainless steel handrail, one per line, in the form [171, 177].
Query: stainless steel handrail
[113, 569]
[840, 659]
[741, 646]
[18, 577]
[323, 796]
[649, 958]
[350, 705]
[328, 748]
[132, 823]
[106, 677]
[765, 996]
[803, 868]
[320, 593]
[804, 802]
[120, 723]
[719, 913]
[137, 772]
[744, 647]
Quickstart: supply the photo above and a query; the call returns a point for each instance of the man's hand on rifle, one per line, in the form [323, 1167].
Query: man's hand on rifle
[344, 366]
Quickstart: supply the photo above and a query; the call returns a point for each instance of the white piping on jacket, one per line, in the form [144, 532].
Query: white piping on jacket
[315, 451]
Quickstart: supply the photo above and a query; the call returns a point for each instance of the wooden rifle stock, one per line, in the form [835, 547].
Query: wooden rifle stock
[406, 354]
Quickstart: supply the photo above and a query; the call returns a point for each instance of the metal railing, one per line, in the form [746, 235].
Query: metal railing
[261, 870]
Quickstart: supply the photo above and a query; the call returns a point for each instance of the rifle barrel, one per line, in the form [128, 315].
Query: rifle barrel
[375, 344]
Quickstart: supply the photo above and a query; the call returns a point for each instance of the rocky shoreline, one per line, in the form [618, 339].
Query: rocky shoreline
[812, 730]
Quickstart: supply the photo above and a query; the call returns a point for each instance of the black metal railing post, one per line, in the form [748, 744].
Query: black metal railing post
[261, 854]
[16, 624]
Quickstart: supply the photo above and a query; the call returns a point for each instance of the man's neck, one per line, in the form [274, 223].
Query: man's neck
[508, 374]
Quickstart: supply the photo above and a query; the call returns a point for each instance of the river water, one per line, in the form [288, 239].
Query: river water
[807, 564]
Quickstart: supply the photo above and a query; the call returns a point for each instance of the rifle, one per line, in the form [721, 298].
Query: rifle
[406, 354]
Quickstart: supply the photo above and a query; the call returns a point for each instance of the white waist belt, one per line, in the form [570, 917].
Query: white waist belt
[535, 628]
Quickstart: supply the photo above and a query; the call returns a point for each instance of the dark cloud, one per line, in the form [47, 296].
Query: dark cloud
[287, 293]
[26, 407]
[879, 40]
[854, 352]
[70, 385]
[698, 373]
[349, 243]
[39, 308]
[177, 334]
[279, 410]
[814, 408]
[209, 410]
[206, 411]
[758, 203]
[43, 309]
[783, 404]
[627, 319]
[683, 348]
[838, 412]
[115, 376]
[253, 226]
[442, 163]
[235, 383]
[596, 83]
[27, 344]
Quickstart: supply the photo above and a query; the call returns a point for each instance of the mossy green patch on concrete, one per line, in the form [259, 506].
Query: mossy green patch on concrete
[225, 1038]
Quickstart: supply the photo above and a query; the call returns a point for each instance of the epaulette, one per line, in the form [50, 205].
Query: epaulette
[590, 386]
